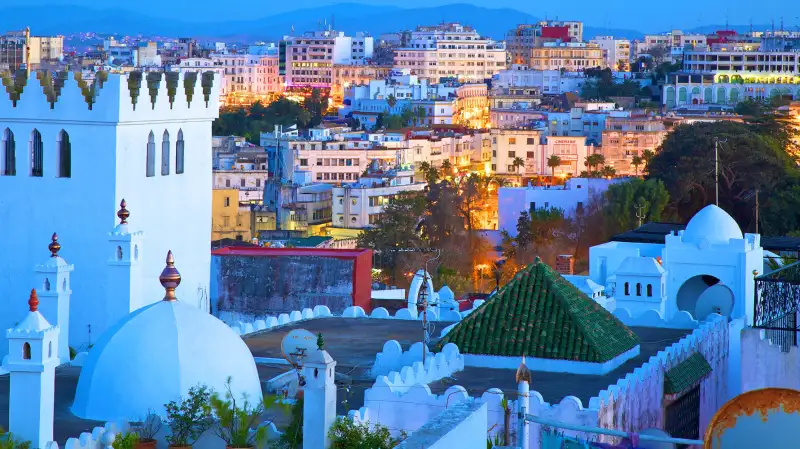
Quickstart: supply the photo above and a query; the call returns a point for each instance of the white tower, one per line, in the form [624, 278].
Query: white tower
[523, 403]
[53, 279]
[32, 361]
[319, 399]
[124, 273]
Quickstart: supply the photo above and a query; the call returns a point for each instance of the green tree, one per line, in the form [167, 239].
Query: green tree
[553, 162]
[625, 199]
[524, 231]
[637, 161]
[447, 168]
[317, 105]
[517, 163]
[608, 172]
[346, 434]
[752, 156]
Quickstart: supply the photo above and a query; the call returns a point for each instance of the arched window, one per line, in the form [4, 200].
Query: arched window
[50, 349]
[627, 289]
[165, 154]
[9, 157]
[151, 155]
[26, 351]
[179, 153]
[37, 154]
[638, 289]
[649, 290]
[64, 155]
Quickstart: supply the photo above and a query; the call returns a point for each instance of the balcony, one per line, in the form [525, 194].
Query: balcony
[777, 296]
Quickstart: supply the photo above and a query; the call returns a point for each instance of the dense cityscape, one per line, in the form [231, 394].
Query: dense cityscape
[424, 237]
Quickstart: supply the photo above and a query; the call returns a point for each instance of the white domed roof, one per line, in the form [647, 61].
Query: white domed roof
[713, 225]
[155, 355]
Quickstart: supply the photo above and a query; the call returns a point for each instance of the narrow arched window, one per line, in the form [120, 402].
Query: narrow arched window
[37, 154]
[50, 349]
[649, 290]
[64, 155]
[627, 289]
[638, 289]
[151, 155]
[165, 154]
[9, 157]
[26, 351]
[179, 153]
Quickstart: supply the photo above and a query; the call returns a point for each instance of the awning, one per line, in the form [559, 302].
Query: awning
[686, 374]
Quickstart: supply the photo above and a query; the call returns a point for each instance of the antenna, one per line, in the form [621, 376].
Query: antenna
[640, 215]
[716, 167]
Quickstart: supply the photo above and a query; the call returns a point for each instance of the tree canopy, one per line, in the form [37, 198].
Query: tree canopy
[251, 121]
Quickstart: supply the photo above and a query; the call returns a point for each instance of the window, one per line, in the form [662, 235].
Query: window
[258, 182]
[64, 155]
[242, 182]
[9, 157]
[638, 289]
[151, 155]
[227, 183]
[627, 289]
[532, 206]
[319, 162]
[179, 153]
[649, 290]
[512, 154]
[304, 162]
[227, 201]
[531, 141]
[37, 154]
[529, 155]
[165, 154]
[512, 140]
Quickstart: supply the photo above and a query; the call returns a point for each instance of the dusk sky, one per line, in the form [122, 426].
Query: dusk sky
[644, 16]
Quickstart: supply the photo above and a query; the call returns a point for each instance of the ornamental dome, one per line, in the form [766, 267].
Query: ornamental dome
[156, 354]
[713, 225]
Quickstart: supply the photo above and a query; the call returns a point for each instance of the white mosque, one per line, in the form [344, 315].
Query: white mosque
[707, 268]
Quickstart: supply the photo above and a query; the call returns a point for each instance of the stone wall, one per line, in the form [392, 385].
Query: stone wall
[765, 365]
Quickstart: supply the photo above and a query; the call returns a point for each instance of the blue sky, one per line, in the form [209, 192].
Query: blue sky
[642, 15]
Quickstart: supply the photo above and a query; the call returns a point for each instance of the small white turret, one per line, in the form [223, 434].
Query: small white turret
[32, 361]
[125, 255]
[319, 399]
[53, 278]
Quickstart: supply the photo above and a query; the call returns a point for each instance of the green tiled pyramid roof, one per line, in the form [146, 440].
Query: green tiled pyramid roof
[541, 314]
[686, 373]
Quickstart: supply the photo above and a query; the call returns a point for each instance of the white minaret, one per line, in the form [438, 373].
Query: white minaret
[53, 278]
[124, 273]
[319, 399]
[32, 360]
[523, 403]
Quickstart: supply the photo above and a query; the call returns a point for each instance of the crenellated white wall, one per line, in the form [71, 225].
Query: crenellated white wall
[109, 147]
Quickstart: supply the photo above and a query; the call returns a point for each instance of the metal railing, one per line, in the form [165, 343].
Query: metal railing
[775, 308]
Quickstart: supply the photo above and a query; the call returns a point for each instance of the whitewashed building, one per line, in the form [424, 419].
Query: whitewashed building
[360, 205]
[65, 166]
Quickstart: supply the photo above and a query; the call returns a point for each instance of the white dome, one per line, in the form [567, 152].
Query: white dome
[155, 355]
[713, 225]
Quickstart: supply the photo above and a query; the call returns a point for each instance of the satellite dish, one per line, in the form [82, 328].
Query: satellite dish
[297, 344]
[715, 299]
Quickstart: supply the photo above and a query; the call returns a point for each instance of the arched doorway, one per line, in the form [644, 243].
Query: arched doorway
[703, 295]
[708, 95]
[722, 97]
[682, 95]
[670, 97]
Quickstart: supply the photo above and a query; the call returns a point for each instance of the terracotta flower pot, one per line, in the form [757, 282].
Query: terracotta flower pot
[180, 447]
[146, 444]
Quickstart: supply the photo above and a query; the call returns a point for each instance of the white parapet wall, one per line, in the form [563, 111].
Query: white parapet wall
[764, 364]
[652, 318]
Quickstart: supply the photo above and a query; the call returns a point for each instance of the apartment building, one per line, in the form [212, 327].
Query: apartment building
[515, 107]
[570, 56]
[359, 205]
[534, 149]
[627, 137]
[451, 50]
[310, 58]
[247, 77]
[549, 82]
[581, 122]
[360, 73]
[617, 52]
[229, 218]
[522, 39]
[19, 47]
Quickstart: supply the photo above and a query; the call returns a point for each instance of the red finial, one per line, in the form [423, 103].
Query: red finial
[33, 301]
[123, 213]
[54, 246]
[170, 278]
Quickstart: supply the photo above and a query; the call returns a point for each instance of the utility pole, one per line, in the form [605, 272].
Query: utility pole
[640, 213]
[716, 168]
[756, 210]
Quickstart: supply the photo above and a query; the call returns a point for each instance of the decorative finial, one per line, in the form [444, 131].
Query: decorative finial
[54, 246]
[123, 213]
[755, 273]
[170, 278]
[523, 373]
[33, 301]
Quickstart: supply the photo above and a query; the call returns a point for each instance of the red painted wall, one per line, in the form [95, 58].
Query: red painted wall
[362, 265]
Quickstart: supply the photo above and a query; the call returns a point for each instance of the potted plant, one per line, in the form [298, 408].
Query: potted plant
[146, 430]
[7, 441]
[237, 421]
[189, 418]
[125, 441]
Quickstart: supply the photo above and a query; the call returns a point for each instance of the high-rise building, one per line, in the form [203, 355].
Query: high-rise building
[617, 52]
[19, 47]
[451, 50]
[310, 58]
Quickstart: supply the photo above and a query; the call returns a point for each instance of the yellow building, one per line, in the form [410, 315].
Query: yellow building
[228, 219]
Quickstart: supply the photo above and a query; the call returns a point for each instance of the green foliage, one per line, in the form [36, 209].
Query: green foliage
[72, 353]
[553, 162]
[753, 157]
[7, 441]
[292, 437]
[601, 85]
[623, 200]
[189, 417]
[126, 441]
[237, 420]
[317, 105]
[346, 434]
[251, 122]
[320, 342]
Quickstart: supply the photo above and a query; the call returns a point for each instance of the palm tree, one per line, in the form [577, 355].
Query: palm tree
[608, 171]
[447, 168]
[517, 162]
[636, 161]
[553, 162]
[391, 101]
